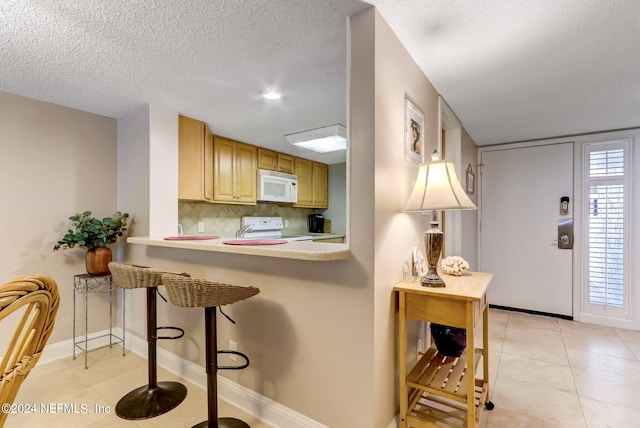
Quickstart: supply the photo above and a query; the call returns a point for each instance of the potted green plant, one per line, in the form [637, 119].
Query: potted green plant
[94, 235]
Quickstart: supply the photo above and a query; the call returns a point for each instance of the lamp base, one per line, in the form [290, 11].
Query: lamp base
[433, 239]
[432, 279]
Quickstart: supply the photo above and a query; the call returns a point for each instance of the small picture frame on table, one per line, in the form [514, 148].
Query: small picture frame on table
[413, 133]
[471, 181]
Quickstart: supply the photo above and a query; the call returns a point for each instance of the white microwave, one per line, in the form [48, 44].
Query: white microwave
[277, 187]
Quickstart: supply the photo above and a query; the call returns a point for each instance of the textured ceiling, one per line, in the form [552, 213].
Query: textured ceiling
[510, 70]
[206, 59]
[525, 69]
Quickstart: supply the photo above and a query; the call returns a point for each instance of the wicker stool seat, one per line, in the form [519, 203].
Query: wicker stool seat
[155, 398]
[200, 293]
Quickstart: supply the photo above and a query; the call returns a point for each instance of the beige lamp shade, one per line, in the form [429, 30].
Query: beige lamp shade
[437, 188]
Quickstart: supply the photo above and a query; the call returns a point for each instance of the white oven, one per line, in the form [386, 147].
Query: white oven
[277, 187]
[268, 228]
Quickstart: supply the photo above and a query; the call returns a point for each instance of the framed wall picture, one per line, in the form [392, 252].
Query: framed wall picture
[413, 133]
[471, 181]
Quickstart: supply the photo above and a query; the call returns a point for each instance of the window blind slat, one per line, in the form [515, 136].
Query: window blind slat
[605, 244]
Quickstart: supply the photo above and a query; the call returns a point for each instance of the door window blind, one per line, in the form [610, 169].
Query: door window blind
[606, 193]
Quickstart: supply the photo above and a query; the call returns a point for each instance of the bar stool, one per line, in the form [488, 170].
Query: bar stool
[155, 398]
[199, 293]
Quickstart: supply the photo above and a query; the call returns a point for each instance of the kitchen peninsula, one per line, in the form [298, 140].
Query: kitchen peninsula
[300, 250]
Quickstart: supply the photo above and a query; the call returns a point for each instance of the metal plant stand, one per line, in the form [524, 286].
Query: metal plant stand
[83, 284]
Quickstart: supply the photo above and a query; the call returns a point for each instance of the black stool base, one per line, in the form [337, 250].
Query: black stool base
[225, 423]
[145, 402]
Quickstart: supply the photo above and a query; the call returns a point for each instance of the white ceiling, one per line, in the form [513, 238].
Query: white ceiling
[525, 69]
[511, 70]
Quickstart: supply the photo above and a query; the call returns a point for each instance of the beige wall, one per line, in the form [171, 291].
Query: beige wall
[337, 211]
[308, 330]
[396, 77]
[321, 335]
[55, 162]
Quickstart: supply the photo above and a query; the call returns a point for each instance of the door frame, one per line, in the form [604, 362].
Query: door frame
[578, 215]
[633, 322]
[450, 150]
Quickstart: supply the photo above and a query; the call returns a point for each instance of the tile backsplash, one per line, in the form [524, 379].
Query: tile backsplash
[225, 219]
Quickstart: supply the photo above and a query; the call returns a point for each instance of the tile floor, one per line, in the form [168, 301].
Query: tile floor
[547, 372]
[109, 377]
[544, 373]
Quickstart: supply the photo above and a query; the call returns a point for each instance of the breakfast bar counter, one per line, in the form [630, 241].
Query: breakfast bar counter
[300, 250]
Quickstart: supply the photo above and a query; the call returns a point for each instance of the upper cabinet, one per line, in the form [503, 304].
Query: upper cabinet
[303, 171]
[234, 172]
[267, 159]
[221, 170]
[195, 160]
[286, 163]
[313, 183]
[320, 192]
[275, 161]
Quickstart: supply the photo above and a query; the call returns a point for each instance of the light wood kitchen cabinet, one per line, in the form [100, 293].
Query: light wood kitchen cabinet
[195, 160]
[303, 172]
[286, 163]
[267, 159]
[235, 166]
[275, 161]
[220, 170]
[313, 184]
[320, 183]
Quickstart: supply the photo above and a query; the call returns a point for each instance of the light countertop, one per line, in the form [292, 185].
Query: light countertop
[469, 286]
[320, 236]
[301, 250]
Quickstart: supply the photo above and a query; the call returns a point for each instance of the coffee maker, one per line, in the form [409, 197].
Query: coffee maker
[315, 222]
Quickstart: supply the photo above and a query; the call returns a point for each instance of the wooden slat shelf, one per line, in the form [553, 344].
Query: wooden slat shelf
[443, 375]
[427, 410]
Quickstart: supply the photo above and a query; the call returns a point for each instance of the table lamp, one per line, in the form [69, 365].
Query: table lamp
[437, 188]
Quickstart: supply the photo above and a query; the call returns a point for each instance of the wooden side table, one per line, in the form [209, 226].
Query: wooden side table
[85, 284]
[439, 390]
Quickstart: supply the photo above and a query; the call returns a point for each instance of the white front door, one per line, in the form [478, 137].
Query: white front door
[521, 191]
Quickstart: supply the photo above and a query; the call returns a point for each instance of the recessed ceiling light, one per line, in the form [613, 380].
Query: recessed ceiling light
[272, 95]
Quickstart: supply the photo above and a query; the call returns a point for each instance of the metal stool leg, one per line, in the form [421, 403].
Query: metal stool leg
[211, 340]
[155, 398]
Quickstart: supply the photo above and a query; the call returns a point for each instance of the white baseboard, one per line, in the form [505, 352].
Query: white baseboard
[607, 321]
[64, 349]
[267, 410]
